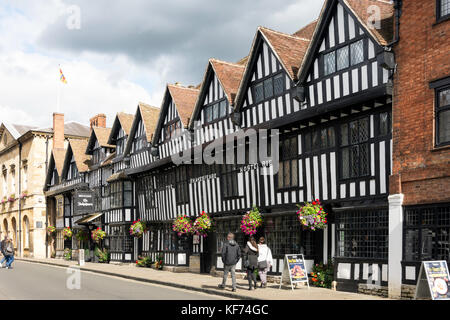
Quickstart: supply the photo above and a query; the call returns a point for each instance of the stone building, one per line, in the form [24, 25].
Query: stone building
[24, 154]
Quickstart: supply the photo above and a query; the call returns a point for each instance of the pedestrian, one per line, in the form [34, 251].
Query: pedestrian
[9, 252]
[231, 253]
[251, 261]
[264, 261]
[2, 248]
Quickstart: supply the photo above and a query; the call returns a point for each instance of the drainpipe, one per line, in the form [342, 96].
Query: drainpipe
[398, 13]
[46, 203]
[20, 202]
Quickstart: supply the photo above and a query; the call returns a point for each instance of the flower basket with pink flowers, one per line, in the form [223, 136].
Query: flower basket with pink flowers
[182, 225]
[202, 225]
[251, 221]
[312, 216]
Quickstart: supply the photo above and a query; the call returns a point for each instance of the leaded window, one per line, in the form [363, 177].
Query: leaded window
[355, 148]
[385, 123]
[146, 189]
[215, 111]
[427, 233]
[342, 58]
[172, 130]
[229, 180]
[121, 142]
[357, 52]
[223, 227]
[139, 139]
[288, 168]
[119, 239]
[269, 88]
[319, 139]
[443, 116]
[362, 234]
[182, 174]
[329, 63]
[443, 9]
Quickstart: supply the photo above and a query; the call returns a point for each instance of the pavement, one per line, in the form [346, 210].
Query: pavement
[203, 283]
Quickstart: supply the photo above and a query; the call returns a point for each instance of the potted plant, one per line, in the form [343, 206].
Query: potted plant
[251, 221]
[12, 197]
[202, 225]
[182, 225]
[98, 234]
[144, 262]
[51, 230]
[82, 235]
[67, 254]
[67, 233]
[138, 228]
[102, 255]
[322, 275]
[312, 216]
[159, 263]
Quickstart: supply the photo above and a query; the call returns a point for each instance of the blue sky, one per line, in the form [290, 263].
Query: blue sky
[124, 51]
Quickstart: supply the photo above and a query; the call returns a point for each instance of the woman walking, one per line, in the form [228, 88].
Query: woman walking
[9, 253]
[251, 261]
[264, 261]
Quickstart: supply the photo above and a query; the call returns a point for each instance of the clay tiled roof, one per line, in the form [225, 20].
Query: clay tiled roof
[78, 147]
[126, 120]
[184, 99]
[58, 157]
[102, 135]
[229, 76]
[149, 116]
[307, 31]
[384, 35]
[289, 49]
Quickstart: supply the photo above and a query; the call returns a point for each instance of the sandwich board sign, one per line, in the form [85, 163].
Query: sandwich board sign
[294, 270]
[433, 281]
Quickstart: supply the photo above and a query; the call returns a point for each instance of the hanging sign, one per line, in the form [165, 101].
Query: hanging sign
[294, 270]
[83, 202]
[433, 281]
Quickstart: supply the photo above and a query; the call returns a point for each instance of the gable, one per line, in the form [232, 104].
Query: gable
[344, 59]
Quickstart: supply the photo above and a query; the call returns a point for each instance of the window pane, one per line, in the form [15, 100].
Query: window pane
[307, 146]
[354, 159]
[357, 52]
[445, 7]
[354, 137]
[342, 58]
[323, 138]
[444, 126]
[268, 88]
[329, 63]
[444, 98]
[259, 92]
[364, 129]
[331, 137]
[294, 171]
[208, 114]
[384, 123]
[344, 135]
[287, 173]
[280, 176]
[215, 114]
[278, 84]
[345, 163]
[223, 109]
[364, 159]
[315, 140]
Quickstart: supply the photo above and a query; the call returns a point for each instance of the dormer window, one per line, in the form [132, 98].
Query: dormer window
[54, 177]
[139, 141]
[73, 170]
[344, 57]
[121, 142]
[268, 88]
[98, 154]
[172, 130]
[215, 111]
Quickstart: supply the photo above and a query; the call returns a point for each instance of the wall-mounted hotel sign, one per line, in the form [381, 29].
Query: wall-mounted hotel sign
[83, 202]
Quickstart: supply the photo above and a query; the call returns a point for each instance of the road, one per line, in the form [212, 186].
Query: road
[36, 281]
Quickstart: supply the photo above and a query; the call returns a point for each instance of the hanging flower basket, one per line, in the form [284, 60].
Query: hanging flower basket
[98, 234]
[12, 198]
[312, 216]
[82, 235]
[251, 221]
[51, 230]
[182, 225]
[24, 195]
[138, 228]
[4, 200]
[202, 225]
[67, 233]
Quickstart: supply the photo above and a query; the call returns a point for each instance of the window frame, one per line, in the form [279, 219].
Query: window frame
[288, 159]
[210, 107]
[182, 176]
[262, 82]
[438, 110]
[439, 16]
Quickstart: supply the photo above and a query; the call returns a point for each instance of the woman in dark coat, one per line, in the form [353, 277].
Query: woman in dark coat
[251, 261]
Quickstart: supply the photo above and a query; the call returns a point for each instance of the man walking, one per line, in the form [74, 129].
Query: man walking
[231, 253]
[2, 249]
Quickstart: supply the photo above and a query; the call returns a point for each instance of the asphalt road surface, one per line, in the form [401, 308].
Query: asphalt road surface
[36, 281]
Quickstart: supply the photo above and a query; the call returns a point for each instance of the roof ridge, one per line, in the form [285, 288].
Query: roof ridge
[181, 87]
[282, 33]
[227, 62]
[144, 104]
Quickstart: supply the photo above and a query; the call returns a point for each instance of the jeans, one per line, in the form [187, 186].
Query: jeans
[232, 269]
[251, 276]
[263, 275]
[3, 260]
[9, 260]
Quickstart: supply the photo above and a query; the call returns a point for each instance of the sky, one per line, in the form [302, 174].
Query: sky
[115, 54]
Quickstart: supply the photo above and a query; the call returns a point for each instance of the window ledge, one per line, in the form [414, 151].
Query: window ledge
[441, 20]
[440, 148]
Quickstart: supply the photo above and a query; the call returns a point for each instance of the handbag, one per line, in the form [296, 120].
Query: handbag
[9, 250]
[263, 264]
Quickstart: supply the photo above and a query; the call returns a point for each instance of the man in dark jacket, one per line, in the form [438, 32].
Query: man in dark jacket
[2, 249]
[231, 253]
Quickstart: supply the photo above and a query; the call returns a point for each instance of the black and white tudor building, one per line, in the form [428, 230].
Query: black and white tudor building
[327, 89]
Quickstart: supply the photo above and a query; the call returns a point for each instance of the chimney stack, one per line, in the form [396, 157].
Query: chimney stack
[58, 130]
[98, 121]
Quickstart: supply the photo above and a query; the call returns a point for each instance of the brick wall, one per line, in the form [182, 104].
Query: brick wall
[420, 171]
